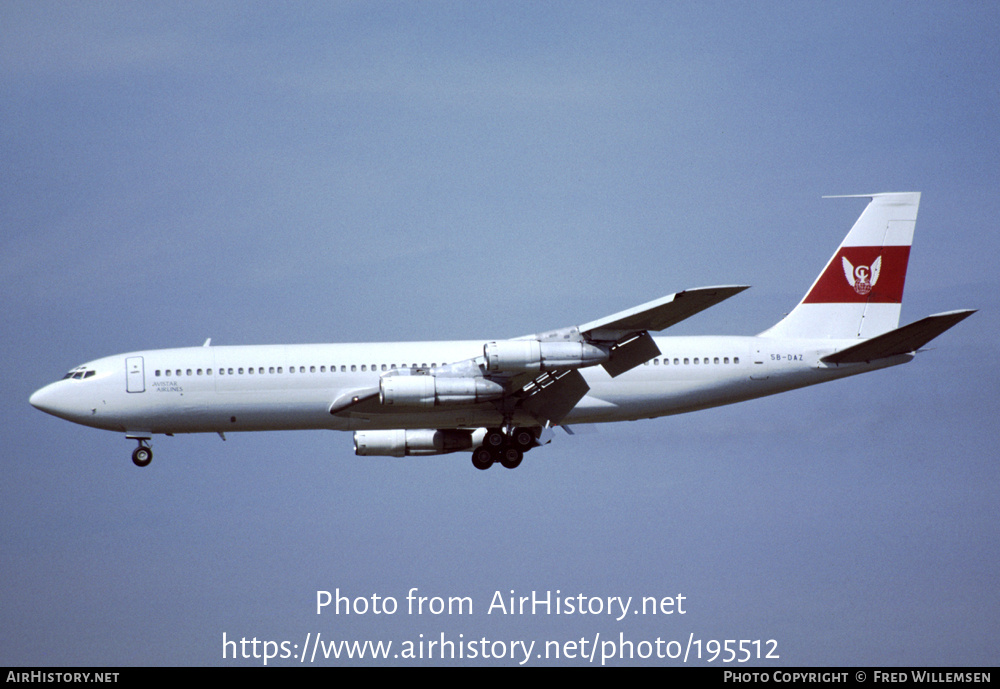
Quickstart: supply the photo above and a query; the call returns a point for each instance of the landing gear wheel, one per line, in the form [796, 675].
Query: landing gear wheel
[523, 439]
[510, 457]
[494, 439]
[482, 458]
[142, 456]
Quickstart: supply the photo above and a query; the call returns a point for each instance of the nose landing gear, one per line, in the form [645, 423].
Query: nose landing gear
[142, 455]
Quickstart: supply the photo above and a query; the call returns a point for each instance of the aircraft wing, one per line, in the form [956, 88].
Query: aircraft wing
[627, 332]
[660, 313]
[540, 372]
[903, 340]
[626, 337]
[352, 398]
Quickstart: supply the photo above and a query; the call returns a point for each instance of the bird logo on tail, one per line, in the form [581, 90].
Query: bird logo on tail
[862, 278]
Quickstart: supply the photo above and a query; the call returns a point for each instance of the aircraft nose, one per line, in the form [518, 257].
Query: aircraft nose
[42, 400]
[52, 400]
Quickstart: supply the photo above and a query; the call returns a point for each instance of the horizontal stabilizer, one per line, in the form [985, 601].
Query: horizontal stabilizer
[903, 340]
[660, 313]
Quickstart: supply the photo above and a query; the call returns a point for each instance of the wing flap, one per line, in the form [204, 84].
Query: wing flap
[627, 355]
[903, 340]
[553, 399]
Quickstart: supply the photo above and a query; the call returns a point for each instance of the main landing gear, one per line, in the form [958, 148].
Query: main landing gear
[506, 448]
[142, 455]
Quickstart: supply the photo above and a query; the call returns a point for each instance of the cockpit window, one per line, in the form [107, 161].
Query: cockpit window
[79, 373]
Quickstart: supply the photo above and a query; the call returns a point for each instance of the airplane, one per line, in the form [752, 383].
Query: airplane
[502, 398]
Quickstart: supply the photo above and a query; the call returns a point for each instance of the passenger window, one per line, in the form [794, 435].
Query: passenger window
[230, 371]
[725, 359]
[736, 360]
[157, 374]
[343, 369]
[312, 369]
[686, 361]
[240, 370]
[208, 372]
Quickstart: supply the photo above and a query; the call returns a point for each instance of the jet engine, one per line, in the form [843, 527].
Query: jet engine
[422, 442]
[531, 356]
[428, 391]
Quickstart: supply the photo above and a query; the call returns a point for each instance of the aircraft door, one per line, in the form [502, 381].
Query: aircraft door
[758, 370]
[135, 374]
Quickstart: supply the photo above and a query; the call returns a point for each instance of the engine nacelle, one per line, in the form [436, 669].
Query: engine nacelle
[532, 356]
[428, 391]
[422, 442]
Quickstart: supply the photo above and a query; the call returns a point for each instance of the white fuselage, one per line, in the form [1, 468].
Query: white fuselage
[291, 387]
[498, 398]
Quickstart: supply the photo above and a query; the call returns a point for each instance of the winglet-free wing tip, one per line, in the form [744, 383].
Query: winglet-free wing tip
[666, 311]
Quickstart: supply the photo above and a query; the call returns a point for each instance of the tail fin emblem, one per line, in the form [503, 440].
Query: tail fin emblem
[862, 278]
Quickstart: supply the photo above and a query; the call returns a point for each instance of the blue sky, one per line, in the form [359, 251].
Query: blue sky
[365, 171]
